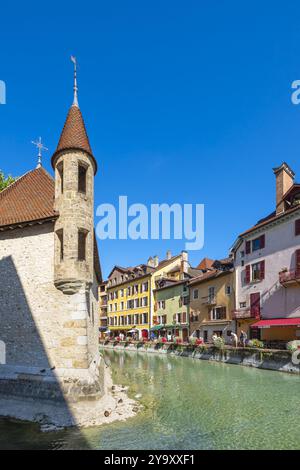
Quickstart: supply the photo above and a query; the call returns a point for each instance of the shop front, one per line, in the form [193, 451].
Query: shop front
[281, 330]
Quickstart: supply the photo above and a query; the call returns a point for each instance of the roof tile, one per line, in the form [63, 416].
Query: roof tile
[29, 198]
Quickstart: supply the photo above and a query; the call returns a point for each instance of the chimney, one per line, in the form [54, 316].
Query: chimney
[155, 259]
[150, 262]
[284, 181]
[184, 261]
[169, 254]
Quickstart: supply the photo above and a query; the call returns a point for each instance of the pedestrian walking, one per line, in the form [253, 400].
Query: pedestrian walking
[243, 338]
[234, 339]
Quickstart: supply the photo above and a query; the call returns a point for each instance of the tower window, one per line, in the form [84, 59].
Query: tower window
[82, 173]
[60, 169]
[82, 235]
[60, 236]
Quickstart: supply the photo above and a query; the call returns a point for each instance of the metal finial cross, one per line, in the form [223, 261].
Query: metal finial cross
[75, 101]
[41, 147]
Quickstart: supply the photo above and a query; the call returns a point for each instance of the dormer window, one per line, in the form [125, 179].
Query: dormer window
[82, 174]
[296, 199]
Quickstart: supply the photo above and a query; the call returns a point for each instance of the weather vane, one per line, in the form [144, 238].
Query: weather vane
[75, 101]
[41, 147]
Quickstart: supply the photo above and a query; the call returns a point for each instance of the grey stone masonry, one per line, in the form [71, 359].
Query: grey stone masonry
[76, 213]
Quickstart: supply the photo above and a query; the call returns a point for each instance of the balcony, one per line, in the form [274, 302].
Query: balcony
[288, 278]
[242, 313]
[209, 300]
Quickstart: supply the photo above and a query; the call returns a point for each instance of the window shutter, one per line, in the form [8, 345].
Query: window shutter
[262, 241]
[247, 277]
[184, 317]
[297, 256]
[262, 269]
[297, 227]
[248, 247]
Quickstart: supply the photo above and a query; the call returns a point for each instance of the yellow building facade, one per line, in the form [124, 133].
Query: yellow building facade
[130, 294]
[128, 306]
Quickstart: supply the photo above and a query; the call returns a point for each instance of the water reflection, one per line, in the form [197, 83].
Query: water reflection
[191, 404]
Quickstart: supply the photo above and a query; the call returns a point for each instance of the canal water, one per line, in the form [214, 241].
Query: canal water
[187, 404]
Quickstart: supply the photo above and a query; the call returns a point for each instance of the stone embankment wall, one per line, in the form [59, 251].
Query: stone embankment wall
[58, 385]
[272, 359]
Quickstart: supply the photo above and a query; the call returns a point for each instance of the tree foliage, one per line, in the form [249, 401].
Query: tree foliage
[5, 181]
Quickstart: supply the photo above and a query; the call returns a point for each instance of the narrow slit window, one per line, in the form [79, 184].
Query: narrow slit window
[82, 236]
[82, 174]
[60, 236]
[60, 169]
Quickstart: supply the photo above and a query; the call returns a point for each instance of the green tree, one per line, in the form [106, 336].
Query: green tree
[5, 180]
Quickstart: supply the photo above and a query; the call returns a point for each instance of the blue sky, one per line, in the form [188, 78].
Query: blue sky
[185, 102]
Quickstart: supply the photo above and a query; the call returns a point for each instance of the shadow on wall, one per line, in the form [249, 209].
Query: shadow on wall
[27, 372]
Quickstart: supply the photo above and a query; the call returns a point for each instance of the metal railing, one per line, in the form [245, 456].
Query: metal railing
[242, 313]
[288, 276]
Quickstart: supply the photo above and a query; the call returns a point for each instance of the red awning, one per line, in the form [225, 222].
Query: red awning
[276, 322]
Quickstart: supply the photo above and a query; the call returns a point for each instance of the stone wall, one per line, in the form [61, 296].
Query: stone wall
[41, 326]
[76, 212]
[278, 360]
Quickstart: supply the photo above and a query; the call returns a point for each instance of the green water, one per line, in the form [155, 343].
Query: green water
[188, 404]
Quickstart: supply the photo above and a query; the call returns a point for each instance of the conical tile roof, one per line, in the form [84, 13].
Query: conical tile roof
[74, 135]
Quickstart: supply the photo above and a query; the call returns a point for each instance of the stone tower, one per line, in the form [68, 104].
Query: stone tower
[75, 167]
[74, 241]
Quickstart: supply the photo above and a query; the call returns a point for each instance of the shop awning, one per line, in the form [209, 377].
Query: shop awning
[177, 326]
[277, 322]
[121, 327]
[156, 327]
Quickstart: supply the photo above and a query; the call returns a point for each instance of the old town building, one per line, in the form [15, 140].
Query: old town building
[212, 300]
[267, 268]
[103, 309]
[50, 271]
[131, 302]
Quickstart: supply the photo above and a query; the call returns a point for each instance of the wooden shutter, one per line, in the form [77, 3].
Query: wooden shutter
[248, 247]
[297, 227]
[297, 264]
[262, 241]
[223, 313]
[184, 317]
[255, 305]
[247, 271]
[262, 270]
